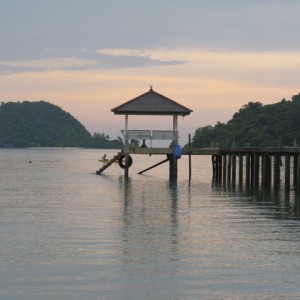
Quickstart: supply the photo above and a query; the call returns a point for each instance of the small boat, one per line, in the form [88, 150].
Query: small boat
[106, 160]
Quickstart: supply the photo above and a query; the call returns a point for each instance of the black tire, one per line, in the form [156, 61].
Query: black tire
[121, 164]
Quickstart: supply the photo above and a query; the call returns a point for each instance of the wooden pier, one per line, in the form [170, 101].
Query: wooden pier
[264, 167]
[251, 167]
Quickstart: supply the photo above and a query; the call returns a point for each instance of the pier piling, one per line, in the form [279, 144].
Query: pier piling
[257, 167]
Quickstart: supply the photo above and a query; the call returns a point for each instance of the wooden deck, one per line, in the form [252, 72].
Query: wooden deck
[217, 151]
[155, 151]
[162, 151]
[244, 150]
[261, 150]
[252, 166]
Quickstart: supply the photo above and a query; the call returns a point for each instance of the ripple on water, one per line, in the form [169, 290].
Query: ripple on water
[68, 234]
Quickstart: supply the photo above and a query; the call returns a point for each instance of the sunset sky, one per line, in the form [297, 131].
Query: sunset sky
[88, 56]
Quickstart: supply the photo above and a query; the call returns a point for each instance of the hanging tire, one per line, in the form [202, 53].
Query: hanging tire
[121, 164]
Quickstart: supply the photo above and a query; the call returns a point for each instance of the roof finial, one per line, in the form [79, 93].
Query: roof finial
[151, 87]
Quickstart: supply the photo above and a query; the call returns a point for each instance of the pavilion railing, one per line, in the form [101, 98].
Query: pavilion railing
[151, 134]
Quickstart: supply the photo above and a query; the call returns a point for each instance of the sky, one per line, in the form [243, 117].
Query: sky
[89, 56]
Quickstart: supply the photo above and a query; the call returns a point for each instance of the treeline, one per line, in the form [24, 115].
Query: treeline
[255, 125]
[42, 124]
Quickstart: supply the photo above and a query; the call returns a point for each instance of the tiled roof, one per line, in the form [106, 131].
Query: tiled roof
[151, 103]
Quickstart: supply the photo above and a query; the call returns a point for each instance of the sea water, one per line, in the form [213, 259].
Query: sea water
[67, 233]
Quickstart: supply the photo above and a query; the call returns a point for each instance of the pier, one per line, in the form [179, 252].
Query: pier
[265, 167]
[249, 166]
[268, 168]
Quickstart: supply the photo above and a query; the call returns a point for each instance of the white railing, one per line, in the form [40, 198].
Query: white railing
[151, 134]
[164, 135]
[137, 134]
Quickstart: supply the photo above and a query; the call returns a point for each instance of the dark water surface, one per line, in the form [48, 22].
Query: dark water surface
[67, 233]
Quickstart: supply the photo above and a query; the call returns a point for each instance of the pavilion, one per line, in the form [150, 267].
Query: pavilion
[151, 103]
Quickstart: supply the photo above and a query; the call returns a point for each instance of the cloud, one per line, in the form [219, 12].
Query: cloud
[90, 56]
[125, 52]
[81, 60]
[30, 26]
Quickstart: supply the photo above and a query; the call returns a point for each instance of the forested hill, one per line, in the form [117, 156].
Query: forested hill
[42, 124]
[255, 125]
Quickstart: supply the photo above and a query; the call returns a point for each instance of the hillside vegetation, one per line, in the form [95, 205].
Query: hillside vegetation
[255, 125]
[42, 124]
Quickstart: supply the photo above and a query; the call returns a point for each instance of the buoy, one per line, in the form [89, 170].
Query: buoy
[177, 151]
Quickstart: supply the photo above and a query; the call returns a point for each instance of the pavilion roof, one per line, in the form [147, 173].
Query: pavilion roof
[151, 103]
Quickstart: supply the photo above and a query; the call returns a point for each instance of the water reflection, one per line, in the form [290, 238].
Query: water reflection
[151, 216]
[74, 235]
[283, 204]
[150, 234]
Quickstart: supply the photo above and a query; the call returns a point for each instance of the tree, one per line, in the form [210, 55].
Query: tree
[255, 124]
[32, 124]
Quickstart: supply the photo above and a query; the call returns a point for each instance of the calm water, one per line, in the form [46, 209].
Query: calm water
[67, 233]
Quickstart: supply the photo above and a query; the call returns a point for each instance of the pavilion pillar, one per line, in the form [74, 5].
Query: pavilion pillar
[175, 128]
[172, 159]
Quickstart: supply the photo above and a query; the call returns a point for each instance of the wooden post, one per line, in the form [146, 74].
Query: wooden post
[263, 171]
[220, 168]
[172, 167]
[298, 175]
[229, 169]
[126, 148]
[217, 167]
[252, 165]
[175, 127]
[269, 170]
[256, 169]
[213, 163]
[190, 158]
[295, 169]
[266, 176]
[126, 168]
[287, 172]
[240, 168]
[266, 171]
[247, 168]
[158, 164]
[224, 167]
[276, 170]
[173, 160]
[233, 161]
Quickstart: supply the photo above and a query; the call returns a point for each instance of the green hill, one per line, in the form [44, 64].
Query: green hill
[255, 125]
[42, 124]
